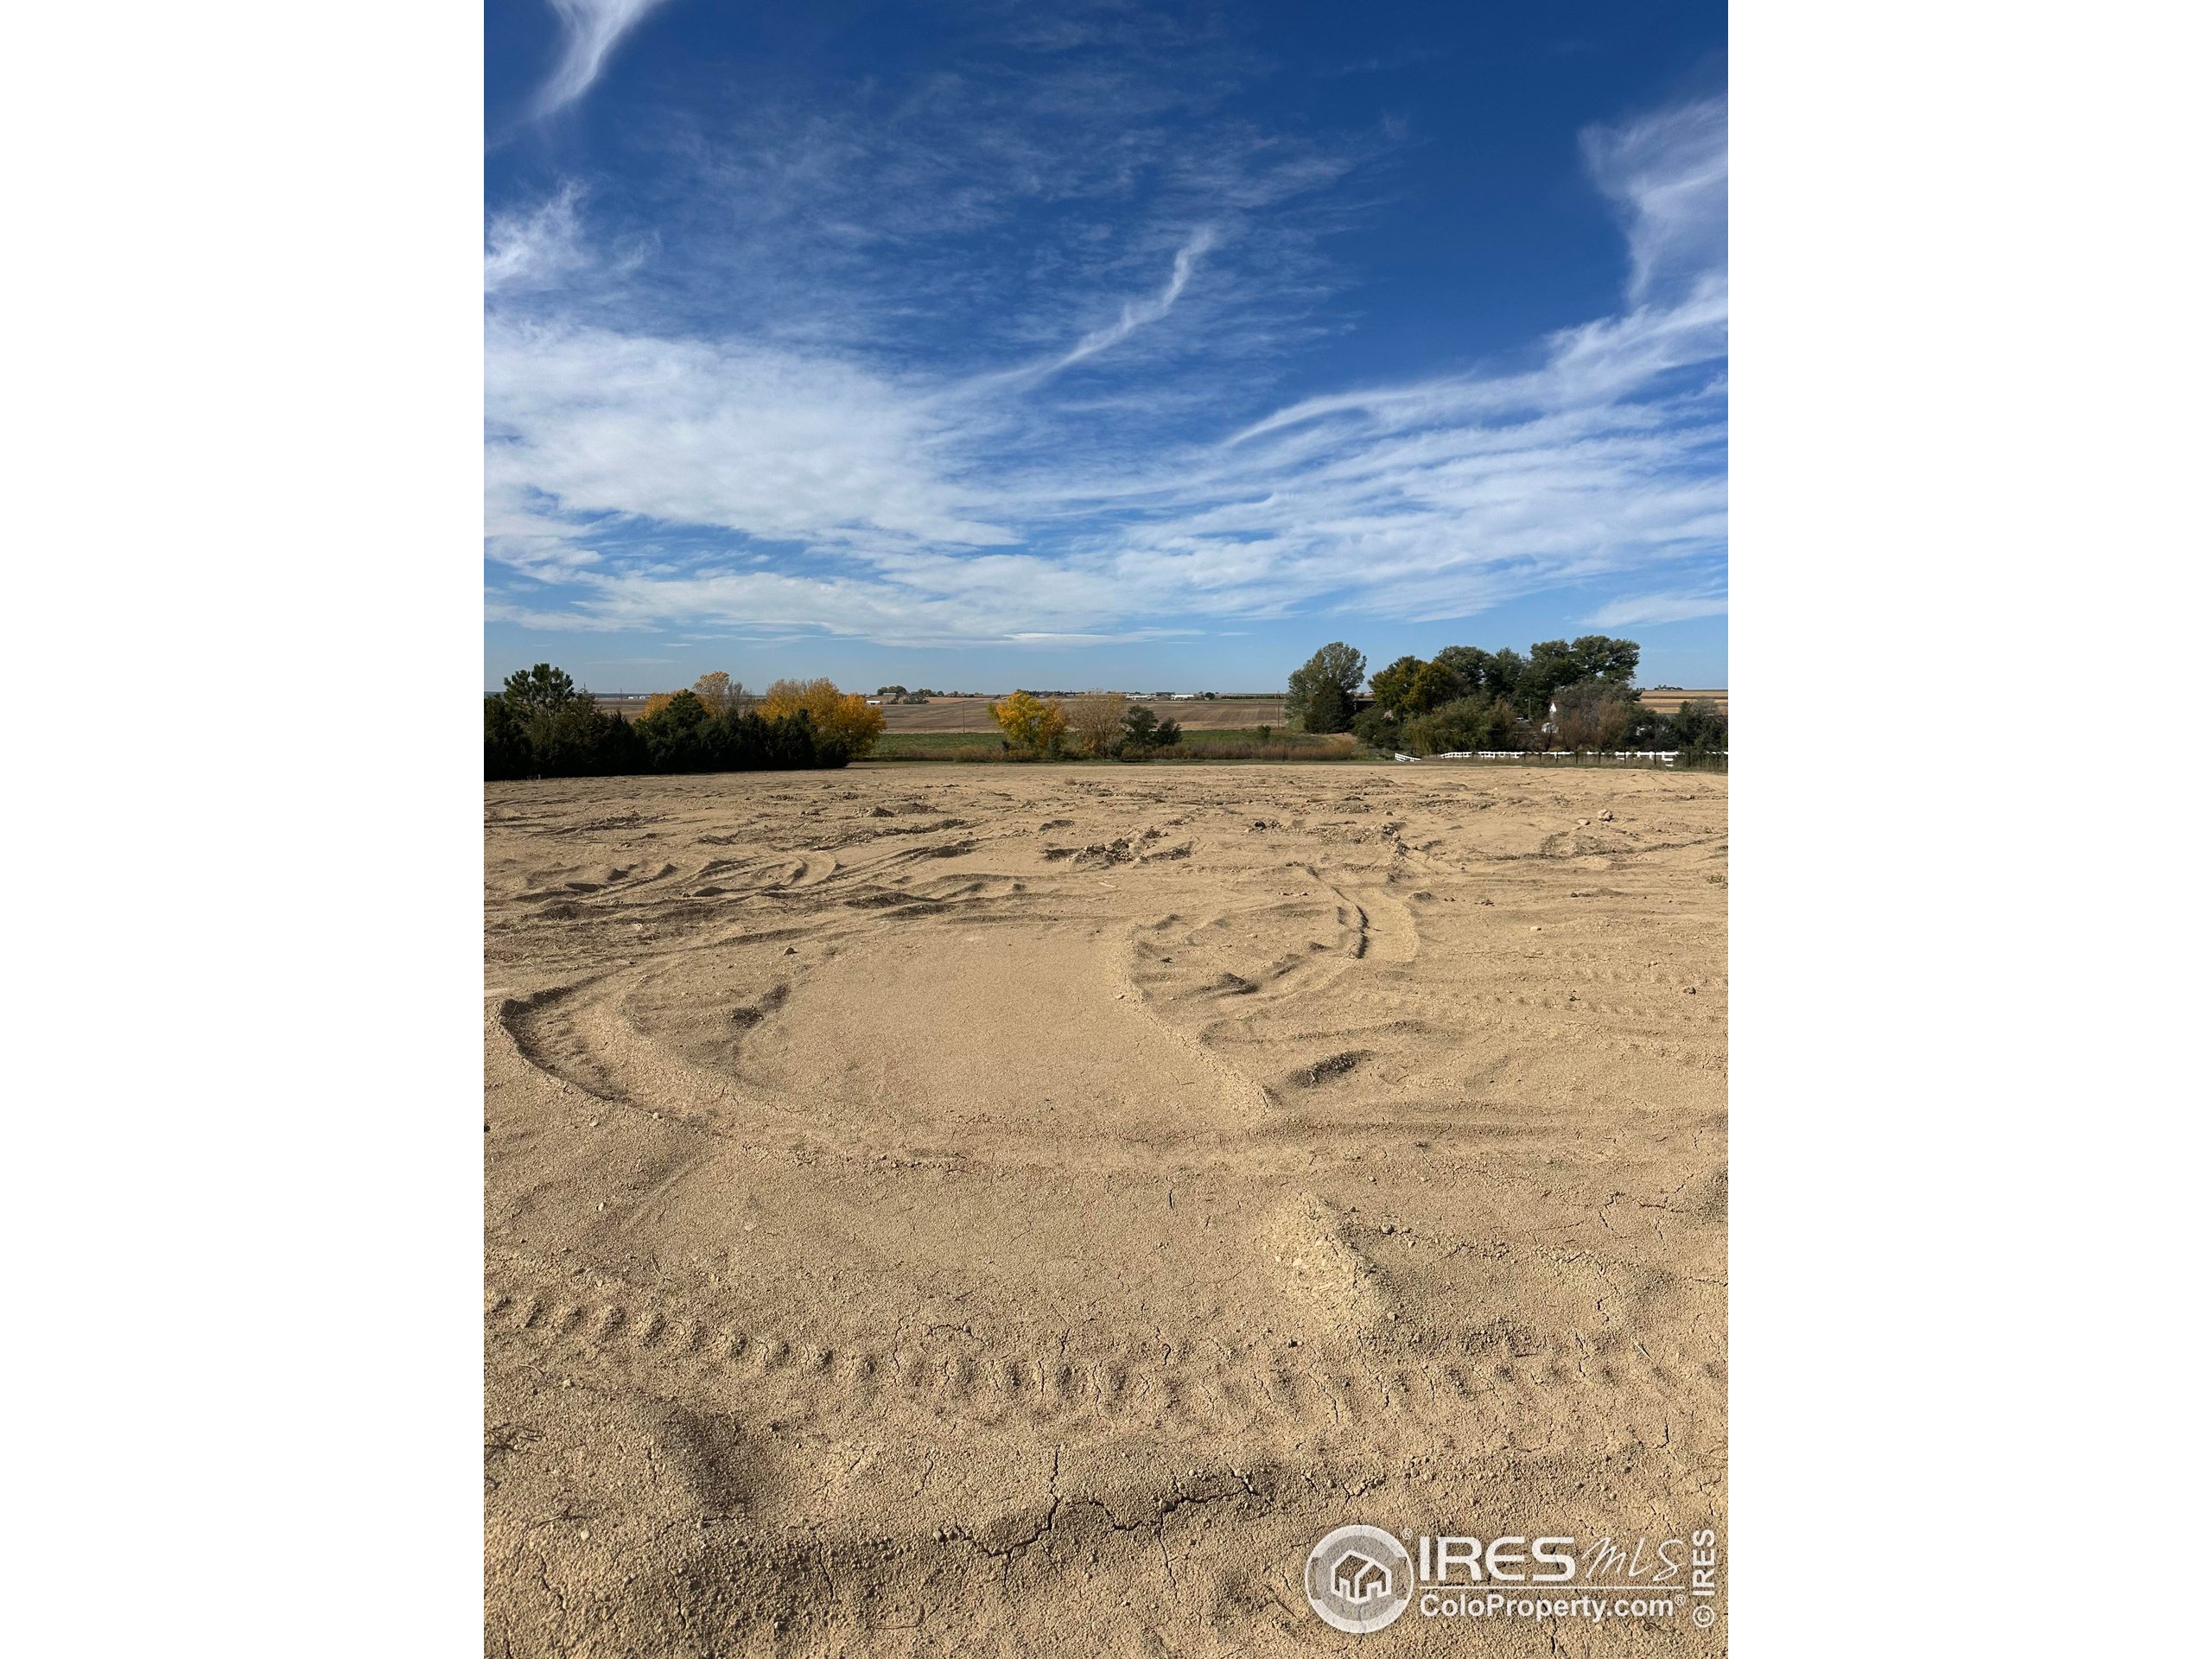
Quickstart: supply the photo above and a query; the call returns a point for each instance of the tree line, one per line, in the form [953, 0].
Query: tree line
[541, 724]
[1103, 725]
[1577, 695]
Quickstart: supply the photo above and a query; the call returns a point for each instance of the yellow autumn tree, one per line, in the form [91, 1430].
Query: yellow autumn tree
[843, 715]
[1033, 726]
[655, 703]
[721, 695]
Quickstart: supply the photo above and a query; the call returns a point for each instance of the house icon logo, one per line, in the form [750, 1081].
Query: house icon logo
[1359, 1579]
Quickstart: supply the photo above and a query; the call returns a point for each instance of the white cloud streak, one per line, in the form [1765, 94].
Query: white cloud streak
[1133, 315]
[590, 30]
[1641, 608]
[805, 477]
[1668, 173]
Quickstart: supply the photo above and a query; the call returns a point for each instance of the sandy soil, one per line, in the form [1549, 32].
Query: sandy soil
[1019, 1211]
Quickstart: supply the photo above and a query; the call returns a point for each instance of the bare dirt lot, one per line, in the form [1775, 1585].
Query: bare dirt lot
[1020, 1210]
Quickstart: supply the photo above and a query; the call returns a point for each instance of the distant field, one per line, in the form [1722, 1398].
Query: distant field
[1232, 743]
[1666, 703]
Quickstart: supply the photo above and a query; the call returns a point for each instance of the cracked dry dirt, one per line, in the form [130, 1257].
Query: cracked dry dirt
[1019, 1211]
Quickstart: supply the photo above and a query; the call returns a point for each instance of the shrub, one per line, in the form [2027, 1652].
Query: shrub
[1700, 730]
[581, 740]
[684, 737]
[678, 735]
[506, 742]
[1468, 725]
[1375, 728]
[1428, 734]
[1143, 732]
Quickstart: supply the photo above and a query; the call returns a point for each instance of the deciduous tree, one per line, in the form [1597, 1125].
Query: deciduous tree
[841, 716]
[1321, 692]
[1434, 686]
[1604, 658]
[721, 693]
[1392, 684]
[1033, 726]
[1593, 715]
[1096, 721]
[1474, 666]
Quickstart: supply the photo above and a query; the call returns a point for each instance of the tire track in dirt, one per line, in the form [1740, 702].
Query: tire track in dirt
[709, 1358]
[827, 1256]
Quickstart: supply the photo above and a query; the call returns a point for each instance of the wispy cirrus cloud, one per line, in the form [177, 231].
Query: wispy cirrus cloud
[1136, 315]
[590, 30]
[728, 435]
[1668, 173]
[1658, 608]
[534, 248]
[871, 394]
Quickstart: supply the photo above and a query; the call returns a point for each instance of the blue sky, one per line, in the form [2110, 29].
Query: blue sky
[1100, 345]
